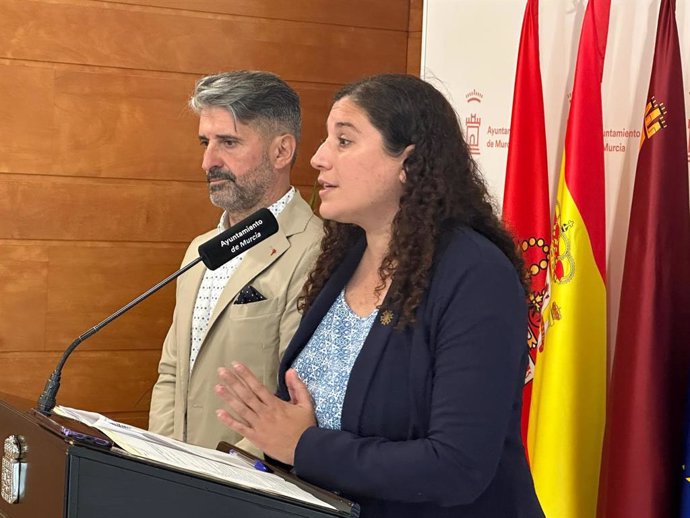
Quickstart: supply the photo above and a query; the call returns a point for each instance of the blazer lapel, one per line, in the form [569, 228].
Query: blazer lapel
[255, 261]
[363, 371]
[293, 218]
[365, 365]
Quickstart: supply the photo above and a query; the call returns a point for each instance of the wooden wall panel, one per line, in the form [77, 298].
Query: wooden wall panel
[23, 293]
[97, 123]
[43, 207]
[416, 15]
[414, 38]
[100, 279]
[378, 14]
[103, 381]
[414, 53]
[118, 124]
[184, 41]
[101, 187]
[52, 292]
[26, 121]
[115, 124]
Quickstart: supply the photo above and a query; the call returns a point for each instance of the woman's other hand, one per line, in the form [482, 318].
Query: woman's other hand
[273, 425]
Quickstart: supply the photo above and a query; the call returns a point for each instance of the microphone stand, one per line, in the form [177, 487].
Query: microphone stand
[214, 253]
[46, 402]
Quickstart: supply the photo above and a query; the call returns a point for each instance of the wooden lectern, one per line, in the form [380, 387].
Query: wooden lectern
[54, 476]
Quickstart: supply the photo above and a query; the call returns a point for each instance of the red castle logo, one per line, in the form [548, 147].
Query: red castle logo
[473, 123]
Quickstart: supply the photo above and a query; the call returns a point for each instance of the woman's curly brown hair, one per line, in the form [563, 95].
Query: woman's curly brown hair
[443, 190]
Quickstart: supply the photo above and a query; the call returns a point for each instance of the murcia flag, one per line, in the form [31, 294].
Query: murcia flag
[526, 195]
[644, 424]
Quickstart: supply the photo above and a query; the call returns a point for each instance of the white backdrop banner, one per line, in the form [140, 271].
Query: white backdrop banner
[469, 51]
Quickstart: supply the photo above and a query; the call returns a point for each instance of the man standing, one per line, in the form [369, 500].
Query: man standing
[249, 127]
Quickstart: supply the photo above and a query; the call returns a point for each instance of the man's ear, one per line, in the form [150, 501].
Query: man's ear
[283, 150]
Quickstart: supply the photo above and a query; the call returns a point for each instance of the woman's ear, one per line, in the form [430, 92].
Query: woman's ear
[403, 156]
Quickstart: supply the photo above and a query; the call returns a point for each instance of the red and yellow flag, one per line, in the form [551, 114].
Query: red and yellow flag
[643, 450]
[567, 413]
[526, 195]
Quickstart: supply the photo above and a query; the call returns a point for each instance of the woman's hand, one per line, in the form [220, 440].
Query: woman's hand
[273, 425]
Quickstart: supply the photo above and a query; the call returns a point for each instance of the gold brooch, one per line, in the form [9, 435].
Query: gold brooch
[386, 317]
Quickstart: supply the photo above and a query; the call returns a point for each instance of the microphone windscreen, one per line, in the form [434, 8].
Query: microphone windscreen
[238, 239]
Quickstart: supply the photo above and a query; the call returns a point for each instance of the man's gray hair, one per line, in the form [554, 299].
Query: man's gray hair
[251, 96]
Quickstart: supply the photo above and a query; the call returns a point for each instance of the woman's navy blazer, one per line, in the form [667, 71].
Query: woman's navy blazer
[431, 416]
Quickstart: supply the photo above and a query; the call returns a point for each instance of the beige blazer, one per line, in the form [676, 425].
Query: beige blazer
[182, 405]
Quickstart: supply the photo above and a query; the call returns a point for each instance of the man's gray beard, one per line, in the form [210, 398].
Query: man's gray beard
[241, 198]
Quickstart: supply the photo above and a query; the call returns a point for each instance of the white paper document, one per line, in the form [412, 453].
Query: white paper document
[229, 467]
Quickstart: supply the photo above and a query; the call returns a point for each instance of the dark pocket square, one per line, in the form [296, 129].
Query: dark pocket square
[249, 294]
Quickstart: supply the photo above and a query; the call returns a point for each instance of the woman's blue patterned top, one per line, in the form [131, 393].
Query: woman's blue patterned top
[325, 363]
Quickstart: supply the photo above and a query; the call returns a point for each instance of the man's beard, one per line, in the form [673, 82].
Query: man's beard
[243, 196]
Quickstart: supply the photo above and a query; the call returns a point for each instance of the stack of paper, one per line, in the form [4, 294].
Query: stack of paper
[229, 467]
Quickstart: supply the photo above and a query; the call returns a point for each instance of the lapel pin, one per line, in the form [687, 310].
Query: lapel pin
[386, 317]
[273, 251]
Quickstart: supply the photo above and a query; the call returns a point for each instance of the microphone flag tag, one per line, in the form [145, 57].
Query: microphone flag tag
[238, 239]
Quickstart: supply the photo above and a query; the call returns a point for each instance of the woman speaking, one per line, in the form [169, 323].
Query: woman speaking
[402, 386]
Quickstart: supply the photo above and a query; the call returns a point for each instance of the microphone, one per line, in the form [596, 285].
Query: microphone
[214, 253]
[238, 239]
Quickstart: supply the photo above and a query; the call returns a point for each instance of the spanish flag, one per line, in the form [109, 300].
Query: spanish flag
[526, 195]
[643, 448]
[567, 413]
